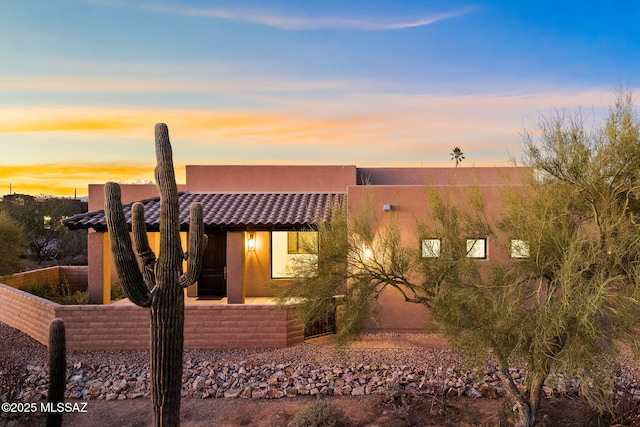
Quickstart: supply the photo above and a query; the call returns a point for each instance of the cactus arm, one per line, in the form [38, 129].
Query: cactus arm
[145, 254]
[197, 243]
[126, 264]
[170, 244]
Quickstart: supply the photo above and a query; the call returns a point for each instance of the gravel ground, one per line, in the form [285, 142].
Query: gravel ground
[272, 373]
[109, 367]
[24, 349]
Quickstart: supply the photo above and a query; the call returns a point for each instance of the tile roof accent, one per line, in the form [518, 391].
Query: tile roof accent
[231, 210]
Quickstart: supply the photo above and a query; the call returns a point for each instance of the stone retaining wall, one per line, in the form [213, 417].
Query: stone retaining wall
[74, 276]
[126, 327]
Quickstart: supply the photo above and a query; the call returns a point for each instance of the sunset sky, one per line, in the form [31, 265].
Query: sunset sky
[365, 82]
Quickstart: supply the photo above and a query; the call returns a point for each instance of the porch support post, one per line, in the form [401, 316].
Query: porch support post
[96, 253]
[235, 256]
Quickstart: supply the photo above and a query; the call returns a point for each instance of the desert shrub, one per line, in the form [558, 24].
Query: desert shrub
[626, 409]
[61, 294]
[401, 402]
[319, 414]
[12, 378]
[117, 292]
[39, 289]
[75, 298]
[13, 239]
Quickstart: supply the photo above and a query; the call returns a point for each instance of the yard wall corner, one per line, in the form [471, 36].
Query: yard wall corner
[126, 326]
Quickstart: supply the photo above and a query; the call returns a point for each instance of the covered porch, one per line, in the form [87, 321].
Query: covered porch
[251, 238]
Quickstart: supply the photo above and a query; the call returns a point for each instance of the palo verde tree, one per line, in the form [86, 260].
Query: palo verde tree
[560, 307]
[356, 261]
[582, 276]
[565, 301]
[160, 285]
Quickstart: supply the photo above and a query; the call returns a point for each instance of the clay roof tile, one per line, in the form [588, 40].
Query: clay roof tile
[231, 210]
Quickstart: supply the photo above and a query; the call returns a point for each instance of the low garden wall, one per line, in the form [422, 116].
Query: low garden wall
[126, 327]
[76, 277]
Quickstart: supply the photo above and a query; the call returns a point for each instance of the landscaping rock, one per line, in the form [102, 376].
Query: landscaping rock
[304, 369]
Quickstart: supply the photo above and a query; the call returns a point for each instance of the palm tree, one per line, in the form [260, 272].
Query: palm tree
[457, 154]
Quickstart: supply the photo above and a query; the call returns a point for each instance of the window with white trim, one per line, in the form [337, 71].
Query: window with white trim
[430, 248]
[289, 246]
[477, 248]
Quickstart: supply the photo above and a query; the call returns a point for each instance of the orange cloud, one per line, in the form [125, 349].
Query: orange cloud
[276, 128]
[67, 119]
[65, 125]
[67, 179]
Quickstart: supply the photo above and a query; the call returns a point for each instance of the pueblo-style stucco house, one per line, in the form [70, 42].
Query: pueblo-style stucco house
[256, 218]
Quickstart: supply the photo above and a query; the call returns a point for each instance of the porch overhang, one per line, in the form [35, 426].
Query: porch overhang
[231, 211]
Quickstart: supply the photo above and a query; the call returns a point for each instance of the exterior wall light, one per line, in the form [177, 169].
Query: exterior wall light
[368, 253]
[251, 242]
[387, 208]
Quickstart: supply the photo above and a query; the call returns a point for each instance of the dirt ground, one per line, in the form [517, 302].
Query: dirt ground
[357, 411]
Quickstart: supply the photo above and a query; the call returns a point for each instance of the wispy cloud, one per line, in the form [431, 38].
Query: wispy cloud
[107, 84]
[298, 23]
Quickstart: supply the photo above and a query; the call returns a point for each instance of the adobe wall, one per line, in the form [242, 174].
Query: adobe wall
[105, 327]
[240, 326]
[77, 277]
[51, 276]
[74, 276]
[26, 312]
[129, 193]
[397, 315]
[290, 179]
[126, 327]
[445, 176]
[256, 272]
[409, 206]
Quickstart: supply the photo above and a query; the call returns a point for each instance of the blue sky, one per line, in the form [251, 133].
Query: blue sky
[371, 83]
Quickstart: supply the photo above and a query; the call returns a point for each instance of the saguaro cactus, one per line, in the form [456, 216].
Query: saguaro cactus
[160, 285]
[57, 369]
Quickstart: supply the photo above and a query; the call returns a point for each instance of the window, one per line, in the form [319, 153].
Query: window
[430, 248]
[289, 247]
[519, 249]
[302, 242]
[477, 248]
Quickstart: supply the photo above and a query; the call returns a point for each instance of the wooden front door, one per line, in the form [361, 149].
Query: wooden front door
[213, 277]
